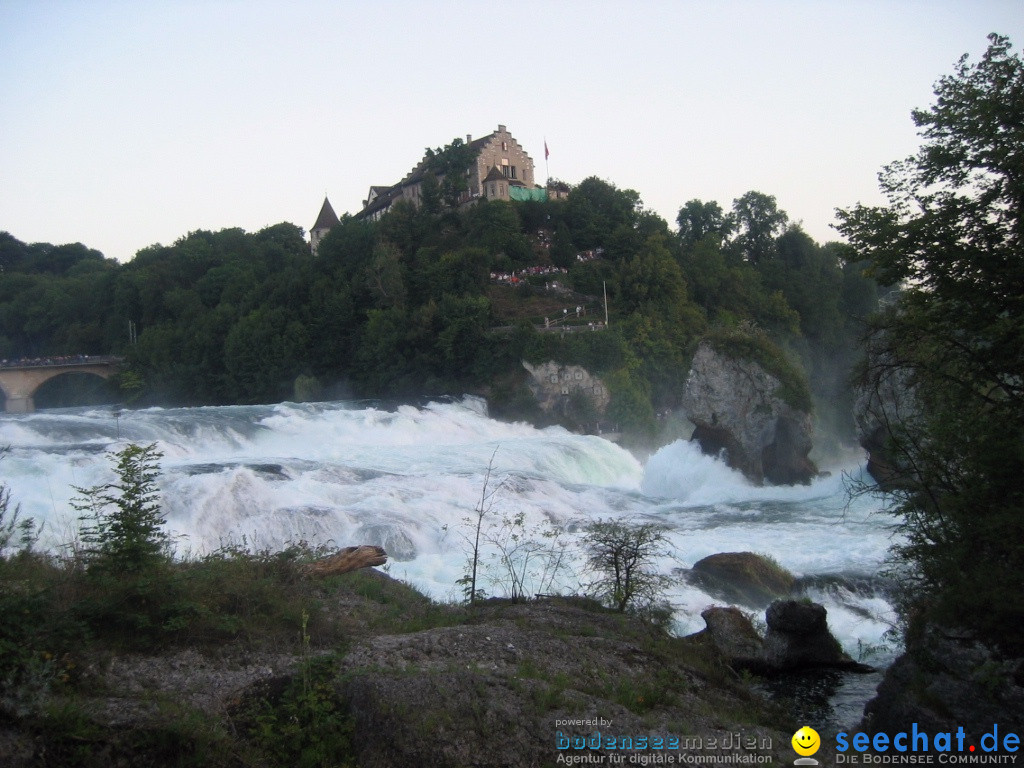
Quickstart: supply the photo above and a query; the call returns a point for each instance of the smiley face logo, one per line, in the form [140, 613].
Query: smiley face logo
[806, 741]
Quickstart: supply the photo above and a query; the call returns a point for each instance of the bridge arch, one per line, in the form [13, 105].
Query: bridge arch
[21, 382]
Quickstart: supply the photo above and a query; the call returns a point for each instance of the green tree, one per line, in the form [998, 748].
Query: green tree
[952, 235]
[123, 530]
[386, 275]
[17, 534]
[563, 254]
[261, 354]
[464, 271]
[758, 222]
[381, 353]
[652, 281]
[596, 208]
[698, 219]
[449, 164]
[430, 195]
[463, 322]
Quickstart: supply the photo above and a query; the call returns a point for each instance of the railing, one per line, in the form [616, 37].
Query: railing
[60, 360]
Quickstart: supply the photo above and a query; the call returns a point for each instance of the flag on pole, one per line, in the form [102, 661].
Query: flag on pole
[546, 153]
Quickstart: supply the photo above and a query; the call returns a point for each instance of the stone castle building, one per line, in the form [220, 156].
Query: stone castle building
[501, 170]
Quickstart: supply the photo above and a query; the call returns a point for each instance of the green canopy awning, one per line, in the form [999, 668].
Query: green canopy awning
[522, 193]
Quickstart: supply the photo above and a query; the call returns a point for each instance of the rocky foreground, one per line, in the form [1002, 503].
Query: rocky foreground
[409, 683]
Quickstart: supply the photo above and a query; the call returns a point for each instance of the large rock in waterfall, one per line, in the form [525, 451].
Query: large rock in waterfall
[739, 408]
[798, 638]
[569, 392]
[884, 402]
[742, 577]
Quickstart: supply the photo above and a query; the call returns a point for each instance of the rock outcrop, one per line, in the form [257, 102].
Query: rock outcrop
[568, 392]
[798, 639]
[742, 577]
[948, 679]
[524, 671]
[738, 409]
[884, 401]
[732, 634]
[413, 683]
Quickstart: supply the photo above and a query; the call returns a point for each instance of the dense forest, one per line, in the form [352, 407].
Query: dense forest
[411, 305]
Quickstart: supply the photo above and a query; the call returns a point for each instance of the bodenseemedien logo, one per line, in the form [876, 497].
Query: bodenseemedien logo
[806, 742]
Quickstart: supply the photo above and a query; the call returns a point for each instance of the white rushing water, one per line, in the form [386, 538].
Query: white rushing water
[407, 478]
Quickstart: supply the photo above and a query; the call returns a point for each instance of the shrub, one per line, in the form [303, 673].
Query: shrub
[622, 555]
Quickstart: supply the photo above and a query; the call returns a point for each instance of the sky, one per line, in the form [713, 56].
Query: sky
[123, 125]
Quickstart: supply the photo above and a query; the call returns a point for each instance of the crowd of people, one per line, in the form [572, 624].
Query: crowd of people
[35, 362]
[518, 276]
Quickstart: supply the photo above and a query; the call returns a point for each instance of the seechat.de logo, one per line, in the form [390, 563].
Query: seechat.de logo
[806, 742]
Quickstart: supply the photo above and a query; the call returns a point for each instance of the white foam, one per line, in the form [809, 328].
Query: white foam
[330, 473]
[681, 471]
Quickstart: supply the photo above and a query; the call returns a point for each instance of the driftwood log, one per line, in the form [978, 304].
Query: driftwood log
[347, 559]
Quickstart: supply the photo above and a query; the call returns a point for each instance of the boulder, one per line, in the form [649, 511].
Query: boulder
[742, 577]
[738, 410]
[798, 638]
[732, 634]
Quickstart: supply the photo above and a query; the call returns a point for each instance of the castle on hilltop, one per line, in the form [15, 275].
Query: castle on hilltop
[500, 170]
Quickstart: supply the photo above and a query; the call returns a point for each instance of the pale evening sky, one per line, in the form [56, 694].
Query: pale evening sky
[128, 124]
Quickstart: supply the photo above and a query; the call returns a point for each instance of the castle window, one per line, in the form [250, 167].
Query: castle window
[504, 146]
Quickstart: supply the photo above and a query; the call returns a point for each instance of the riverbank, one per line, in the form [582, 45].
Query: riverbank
[244, 661]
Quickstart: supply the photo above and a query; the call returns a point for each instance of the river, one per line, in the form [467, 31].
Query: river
[407, 477]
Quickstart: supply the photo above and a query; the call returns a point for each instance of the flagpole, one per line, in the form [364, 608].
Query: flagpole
[547, 172]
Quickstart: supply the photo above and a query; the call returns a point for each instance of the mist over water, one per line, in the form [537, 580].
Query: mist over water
[407, 477]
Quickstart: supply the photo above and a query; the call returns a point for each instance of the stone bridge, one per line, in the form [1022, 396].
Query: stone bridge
[20, 380]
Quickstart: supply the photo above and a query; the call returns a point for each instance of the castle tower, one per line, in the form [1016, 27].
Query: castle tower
[495, 185]
[327, 219]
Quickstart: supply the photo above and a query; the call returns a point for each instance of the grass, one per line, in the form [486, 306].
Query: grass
[57, 619]
[261, 601]
[511, 305]
[63, 622]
